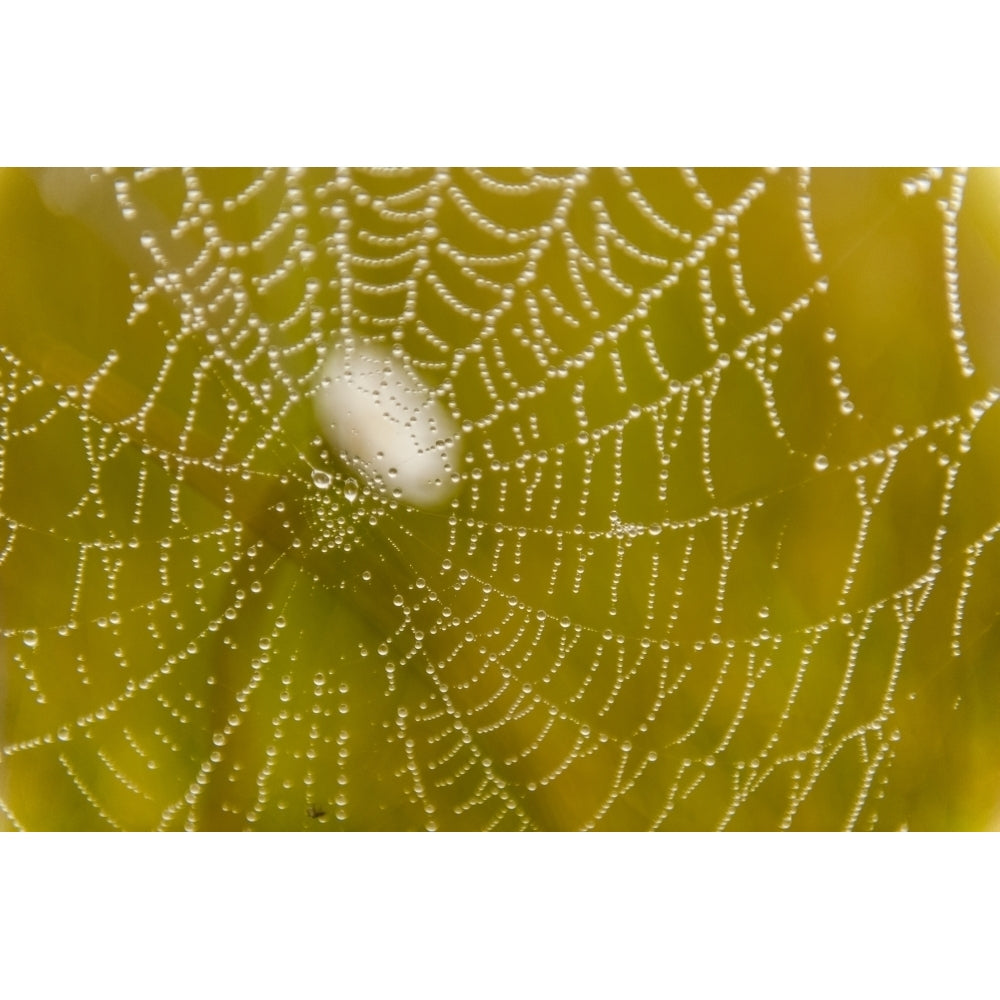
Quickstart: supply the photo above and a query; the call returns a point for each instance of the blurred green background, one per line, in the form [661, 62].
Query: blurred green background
[666, 592]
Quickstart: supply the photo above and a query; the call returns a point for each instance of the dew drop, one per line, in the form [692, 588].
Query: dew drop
[30, 638]
[820, 463]
[351, 490]
[321, 479]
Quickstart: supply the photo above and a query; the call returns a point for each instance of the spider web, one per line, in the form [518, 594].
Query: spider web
[686, 519]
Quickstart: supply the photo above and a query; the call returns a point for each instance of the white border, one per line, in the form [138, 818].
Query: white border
[525, 80]
[499, 915]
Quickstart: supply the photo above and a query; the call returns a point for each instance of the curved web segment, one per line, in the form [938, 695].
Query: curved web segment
[507, 499]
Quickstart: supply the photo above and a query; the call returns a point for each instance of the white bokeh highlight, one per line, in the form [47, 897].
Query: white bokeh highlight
[387, 425]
